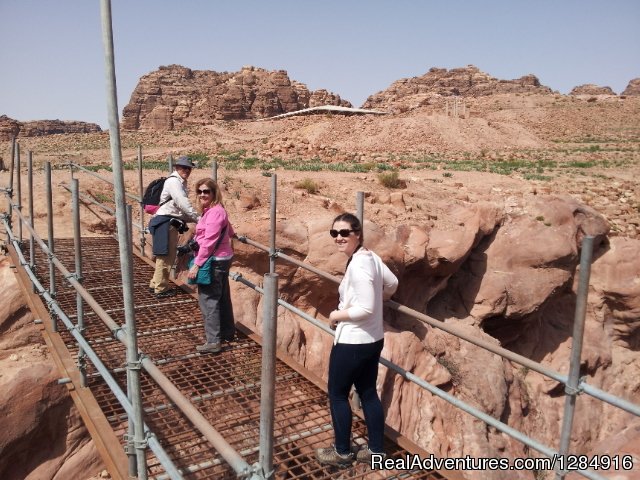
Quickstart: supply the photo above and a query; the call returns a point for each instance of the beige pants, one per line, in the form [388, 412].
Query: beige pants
[160, 280]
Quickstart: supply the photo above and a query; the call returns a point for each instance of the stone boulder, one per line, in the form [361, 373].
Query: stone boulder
[468, 81]
[591, 89]
[175, 96]
[616, 282]
[633, 89]
[531, 257]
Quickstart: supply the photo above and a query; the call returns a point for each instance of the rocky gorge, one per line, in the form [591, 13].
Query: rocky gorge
[483, 228]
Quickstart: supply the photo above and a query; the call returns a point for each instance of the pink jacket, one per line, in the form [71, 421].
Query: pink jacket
[207, 232]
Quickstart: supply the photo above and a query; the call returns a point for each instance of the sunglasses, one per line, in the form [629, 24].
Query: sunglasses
[206, 191]
[343, 233]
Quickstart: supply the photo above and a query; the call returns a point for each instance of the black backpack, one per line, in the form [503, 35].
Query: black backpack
[151, 197]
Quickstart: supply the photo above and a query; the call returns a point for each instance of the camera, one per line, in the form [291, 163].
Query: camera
[190, 246]
[179, 225]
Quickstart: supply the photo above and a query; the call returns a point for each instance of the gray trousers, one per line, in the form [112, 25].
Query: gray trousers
[215, 304]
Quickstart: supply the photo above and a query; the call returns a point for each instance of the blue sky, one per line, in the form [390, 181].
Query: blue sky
[53, 66]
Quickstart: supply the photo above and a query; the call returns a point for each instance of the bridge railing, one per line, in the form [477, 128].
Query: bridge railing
[573, 384]
[235, 460]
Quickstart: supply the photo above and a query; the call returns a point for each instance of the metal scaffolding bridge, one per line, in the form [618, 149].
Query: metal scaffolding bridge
[155, 408]
[128, 360]
[225, 388]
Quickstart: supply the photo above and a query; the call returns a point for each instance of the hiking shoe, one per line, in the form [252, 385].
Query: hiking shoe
[167, 293]
[364, 455]
[329, 456]
[209, 348]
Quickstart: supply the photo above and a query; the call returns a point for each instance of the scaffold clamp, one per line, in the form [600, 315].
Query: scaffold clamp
[575, 391]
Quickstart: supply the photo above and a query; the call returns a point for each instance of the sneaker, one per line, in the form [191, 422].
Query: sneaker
[209, 348]
[364, 455]
[329, 456]
[167, 293]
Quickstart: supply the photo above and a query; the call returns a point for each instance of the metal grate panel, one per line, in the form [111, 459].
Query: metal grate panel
[224, 387]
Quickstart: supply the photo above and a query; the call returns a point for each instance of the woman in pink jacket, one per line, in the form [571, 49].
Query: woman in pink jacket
[213, 234]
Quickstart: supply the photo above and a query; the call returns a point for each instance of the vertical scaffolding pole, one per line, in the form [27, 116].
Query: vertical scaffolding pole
[30, 192]
[572, 387]
[10, 187]
[130, 223]
[355, 398]
[51, 243]
[32, 253]
[133, 361]
[143, 240]
[272, 238]
[360, 207]
[214, 170]
[75, 205]
[268, 378]
[19, 190]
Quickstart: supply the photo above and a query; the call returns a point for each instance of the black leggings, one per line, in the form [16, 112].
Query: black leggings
[355, 364]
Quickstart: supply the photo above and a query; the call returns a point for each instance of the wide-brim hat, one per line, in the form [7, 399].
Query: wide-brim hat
[183, 161]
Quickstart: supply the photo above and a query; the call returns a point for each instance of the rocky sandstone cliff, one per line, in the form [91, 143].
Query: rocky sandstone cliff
[42, 435]
[633, 89]
[503, 272]
[469, 81]
[13, 128]
[591, 89]
[175, 96]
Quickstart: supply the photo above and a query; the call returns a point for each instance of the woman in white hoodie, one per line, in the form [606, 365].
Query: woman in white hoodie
[358, 342]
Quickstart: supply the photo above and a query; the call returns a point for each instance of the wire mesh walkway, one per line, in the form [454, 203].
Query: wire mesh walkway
[224, 387]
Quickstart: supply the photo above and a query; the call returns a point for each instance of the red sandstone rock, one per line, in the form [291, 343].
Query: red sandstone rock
[42, 436]
[174, 96]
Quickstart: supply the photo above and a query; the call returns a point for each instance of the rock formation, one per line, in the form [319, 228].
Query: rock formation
[10, 128]
[439, 82]
[43, 435]
[633, 89]
[175, 96]
[591, 89]
[503, 273]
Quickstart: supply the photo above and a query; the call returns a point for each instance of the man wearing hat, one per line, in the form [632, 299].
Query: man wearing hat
[174, 204]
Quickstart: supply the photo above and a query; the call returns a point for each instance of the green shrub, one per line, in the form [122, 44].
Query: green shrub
[391, 180]
[309, 185]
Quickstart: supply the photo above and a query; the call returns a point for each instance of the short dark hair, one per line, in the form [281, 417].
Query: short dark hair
[353, 221]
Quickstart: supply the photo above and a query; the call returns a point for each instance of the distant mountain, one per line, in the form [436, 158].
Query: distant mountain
[469, 81]
[10, 128]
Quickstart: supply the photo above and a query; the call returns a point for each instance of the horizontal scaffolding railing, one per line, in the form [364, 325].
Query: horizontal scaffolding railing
[514, 433]
[104, 372]
[582, 386]
[549, 452]
[233, 458]
[453, 330]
